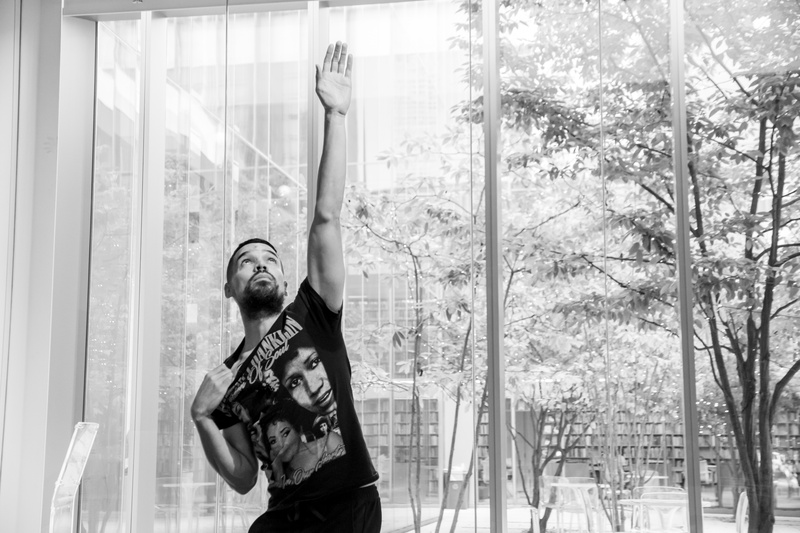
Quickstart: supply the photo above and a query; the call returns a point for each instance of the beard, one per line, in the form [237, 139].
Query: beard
[261, 300]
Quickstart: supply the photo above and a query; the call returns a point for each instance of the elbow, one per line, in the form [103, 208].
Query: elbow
[323, 217]
[243, 486]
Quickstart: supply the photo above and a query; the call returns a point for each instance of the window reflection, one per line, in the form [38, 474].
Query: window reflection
[590, 287]
[741, 74]
[116, 178]
[221, 191]
[412, 218]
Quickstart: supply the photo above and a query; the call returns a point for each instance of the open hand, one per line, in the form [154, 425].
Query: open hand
[333, 79]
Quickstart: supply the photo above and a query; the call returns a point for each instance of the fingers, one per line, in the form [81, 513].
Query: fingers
[342, 57]
[221, 370]
[326, 63]
[220, 376]
[337, 59]
[349, 70]
[337, 54]
[211, 391]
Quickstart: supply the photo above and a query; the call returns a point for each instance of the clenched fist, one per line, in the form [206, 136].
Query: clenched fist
[211, 391]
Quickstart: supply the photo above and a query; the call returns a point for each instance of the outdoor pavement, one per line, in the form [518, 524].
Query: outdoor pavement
[398, 520]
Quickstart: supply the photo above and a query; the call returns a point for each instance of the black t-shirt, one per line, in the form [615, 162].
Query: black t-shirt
[294, 396]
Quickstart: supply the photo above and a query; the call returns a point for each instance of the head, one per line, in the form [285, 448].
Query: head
[321, 426]
[303, 376]
[255, 279]
[282, 435]
[240, 412]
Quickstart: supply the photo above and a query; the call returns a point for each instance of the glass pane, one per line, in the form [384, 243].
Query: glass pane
[742, 98]
[116, 175]
[413, 219]
[641, 454]
[219, 192]
[591, 328]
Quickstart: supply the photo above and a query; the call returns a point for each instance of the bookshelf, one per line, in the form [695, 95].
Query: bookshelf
[386, 425]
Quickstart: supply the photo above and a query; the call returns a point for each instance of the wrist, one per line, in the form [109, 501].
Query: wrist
[333, 115]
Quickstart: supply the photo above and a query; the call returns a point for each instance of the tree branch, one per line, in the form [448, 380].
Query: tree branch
[784, 307]
[781, 384]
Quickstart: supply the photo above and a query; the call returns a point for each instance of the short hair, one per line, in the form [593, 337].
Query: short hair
[300, 341]
[230, 269]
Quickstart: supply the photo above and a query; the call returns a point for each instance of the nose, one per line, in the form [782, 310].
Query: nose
[320, 383]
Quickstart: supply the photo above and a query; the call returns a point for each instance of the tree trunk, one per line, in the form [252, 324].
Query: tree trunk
[446, 484]
[468, 475]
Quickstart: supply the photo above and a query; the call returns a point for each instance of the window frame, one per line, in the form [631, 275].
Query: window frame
[98, 10]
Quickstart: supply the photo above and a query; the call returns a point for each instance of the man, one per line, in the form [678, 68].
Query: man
[291, 374]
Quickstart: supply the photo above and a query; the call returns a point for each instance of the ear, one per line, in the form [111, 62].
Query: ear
[228, 291]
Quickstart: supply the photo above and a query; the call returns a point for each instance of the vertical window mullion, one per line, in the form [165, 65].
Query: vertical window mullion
[146, 306]
[494, 249]
[685, 299]
[315, 37]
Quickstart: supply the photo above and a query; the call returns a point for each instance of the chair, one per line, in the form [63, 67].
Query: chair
[742, 513]
[237, 511]
[242, 509]
[638, 516]
[577, 504]
[167, 508]
[548, 494]
[62, 508]
[664, 512]
[638, 492]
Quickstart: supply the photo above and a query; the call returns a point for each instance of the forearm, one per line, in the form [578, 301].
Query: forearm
[237, 469]
[278, 473]
[332, 170]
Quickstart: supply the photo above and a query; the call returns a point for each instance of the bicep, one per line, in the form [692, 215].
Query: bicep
[326, 262]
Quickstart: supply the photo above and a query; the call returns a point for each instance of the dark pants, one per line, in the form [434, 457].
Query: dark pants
[357, 511]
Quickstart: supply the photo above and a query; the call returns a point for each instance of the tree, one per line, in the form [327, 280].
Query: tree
[557, 416]
[742, 96]
[573, 105]
[423, 229]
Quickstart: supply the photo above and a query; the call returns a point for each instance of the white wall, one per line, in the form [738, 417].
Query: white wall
[50, 249]
[9, 52]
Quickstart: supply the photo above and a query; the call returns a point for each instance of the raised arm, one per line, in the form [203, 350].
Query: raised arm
[325, 258]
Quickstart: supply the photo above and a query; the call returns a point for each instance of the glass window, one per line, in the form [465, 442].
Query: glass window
[233, 172]
[742, 105]
[117, 178]
[413, 219]
[593, 360]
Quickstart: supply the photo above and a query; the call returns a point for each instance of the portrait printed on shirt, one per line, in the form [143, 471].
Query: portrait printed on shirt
[285, 399]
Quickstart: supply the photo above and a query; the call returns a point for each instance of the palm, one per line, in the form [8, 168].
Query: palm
[333, 79]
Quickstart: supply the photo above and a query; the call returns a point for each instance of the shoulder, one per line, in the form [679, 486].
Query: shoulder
[312, 300]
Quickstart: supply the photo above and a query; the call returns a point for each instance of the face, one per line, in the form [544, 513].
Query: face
[306, 380]
[279, 434]
[240, 412]
[257, 278]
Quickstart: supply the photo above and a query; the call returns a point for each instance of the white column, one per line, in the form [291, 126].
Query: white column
[46, 343]
[147, 286]
[9, 107]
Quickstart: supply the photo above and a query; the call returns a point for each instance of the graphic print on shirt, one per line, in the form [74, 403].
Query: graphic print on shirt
[284, 397]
